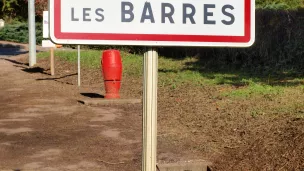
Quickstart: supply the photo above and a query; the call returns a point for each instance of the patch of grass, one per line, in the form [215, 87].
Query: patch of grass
[175, 73]
[288, 104]
[132, 64]
[89, 58]
[235, 79]
[254, 89]
[171, 72]
[180, 78]
[294, 108]
[256, 113]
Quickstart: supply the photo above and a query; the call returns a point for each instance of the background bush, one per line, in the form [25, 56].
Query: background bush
[279, 4]
[13, 10]
[17, 9]
[278, 48]
[18, 32]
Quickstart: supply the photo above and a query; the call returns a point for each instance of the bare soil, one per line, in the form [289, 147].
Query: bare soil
[43, 127]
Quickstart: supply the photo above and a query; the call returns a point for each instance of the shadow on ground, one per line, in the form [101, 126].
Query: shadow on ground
[16, 62]
[24, 67]
[57, 78]
[35, 70]
[92, 95]
[12, 50]
[7, 50]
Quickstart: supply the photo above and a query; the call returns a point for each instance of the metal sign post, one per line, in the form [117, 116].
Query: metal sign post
[32, 33]
[150, 110]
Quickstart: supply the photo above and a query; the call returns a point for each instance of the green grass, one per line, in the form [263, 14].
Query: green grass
[256, 89]
[176, 73]
[89, 58]
[289, 104]
[171, 73]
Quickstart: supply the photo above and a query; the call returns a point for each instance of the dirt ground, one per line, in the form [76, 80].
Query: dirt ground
[44, 127]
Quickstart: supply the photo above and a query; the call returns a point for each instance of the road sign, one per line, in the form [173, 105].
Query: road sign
[153, 22]
[45, 24]
[48, 44]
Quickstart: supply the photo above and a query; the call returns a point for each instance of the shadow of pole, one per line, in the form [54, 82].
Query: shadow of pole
[92, 95]
[57, 78]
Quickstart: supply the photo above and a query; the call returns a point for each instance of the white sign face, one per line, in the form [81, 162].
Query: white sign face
[153, 22]
[48, 44]
[45, 25]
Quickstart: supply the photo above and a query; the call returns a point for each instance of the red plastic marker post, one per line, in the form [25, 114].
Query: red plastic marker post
[112, 73]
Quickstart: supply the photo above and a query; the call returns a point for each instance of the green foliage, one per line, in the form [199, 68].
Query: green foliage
[279, 4]
[18, 32]
[9, 4]
[13, 10]
[18, 8]
[278, 49]
[89, 58]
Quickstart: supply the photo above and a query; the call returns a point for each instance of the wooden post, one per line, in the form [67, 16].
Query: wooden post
[52, 62]
[150, 110]
[78, 49]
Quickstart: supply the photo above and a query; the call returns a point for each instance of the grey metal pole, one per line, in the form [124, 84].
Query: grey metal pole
[78, 65]
[150, 110]
[32, 32]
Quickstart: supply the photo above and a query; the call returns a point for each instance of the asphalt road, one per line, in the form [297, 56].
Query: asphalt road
[7, 50]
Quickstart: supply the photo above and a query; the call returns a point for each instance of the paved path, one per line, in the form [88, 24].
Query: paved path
[8, 49]
[43, 127]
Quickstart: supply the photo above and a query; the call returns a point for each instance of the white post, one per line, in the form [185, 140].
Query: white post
[78, 65]
[32, 32]
[150, 110]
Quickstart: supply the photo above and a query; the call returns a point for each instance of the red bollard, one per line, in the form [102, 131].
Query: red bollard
[112, 73]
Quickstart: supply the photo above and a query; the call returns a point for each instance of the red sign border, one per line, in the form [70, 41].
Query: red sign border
[151, 37]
